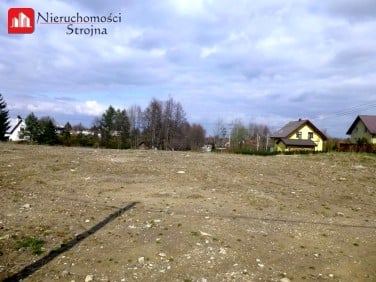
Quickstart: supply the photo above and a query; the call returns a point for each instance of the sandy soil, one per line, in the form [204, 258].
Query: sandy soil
[186, 216]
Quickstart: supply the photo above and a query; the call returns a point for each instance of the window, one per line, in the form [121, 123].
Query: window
[310, 135]
[299, 135]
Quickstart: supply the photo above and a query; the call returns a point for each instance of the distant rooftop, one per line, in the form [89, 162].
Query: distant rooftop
[369, 122]
[293, 126]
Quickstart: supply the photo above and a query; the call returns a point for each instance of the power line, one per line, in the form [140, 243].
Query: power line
[354, 109]
[348, 111]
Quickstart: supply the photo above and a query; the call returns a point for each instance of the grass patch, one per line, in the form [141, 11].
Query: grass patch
[32, 243]
[194, 233]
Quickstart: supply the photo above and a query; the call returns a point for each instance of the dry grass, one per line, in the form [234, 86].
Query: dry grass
[227, 217]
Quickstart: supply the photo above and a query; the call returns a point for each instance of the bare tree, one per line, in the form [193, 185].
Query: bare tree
[220, 133]
[180, 123]
[135, 120]
[153, 124]
[165, 126]
[239, 135]
[196, 136]
[259, 135]
[168, 123]
[181, 140]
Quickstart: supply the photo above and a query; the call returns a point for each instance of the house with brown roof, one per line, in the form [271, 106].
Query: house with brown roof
[300, 135]
[363, 128]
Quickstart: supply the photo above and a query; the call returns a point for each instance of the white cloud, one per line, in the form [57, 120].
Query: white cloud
[207, 51]
[188, 7]
[91, 108]
[43, 107]
[262, 60]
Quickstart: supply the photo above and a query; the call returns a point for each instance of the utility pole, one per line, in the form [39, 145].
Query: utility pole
[230, 126]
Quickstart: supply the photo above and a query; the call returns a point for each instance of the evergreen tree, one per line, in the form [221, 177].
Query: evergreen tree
[32, 130]
[66, 136]
[107, 126]
[114, 126]
[122, 127]
[4, 119]
[47, 131]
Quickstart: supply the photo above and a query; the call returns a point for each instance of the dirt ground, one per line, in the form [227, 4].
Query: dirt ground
[108, 215]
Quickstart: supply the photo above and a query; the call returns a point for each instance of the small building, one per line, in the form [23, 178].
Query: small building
[300, 135]
[363, 128]
[142, 146]
[207, 148]
[16, 127]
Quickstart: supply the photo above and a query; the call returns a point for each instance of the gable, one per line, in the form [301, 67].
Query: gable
[294, 126]
[369, 122]
[303, 130]
[16, 127]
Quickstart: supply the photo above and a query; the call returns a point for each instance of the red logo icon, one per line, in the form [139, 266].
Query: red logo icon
[21, 20]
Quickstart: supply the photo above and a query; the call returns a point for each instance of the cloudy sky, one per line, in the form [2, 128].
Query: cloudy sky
[265, 61]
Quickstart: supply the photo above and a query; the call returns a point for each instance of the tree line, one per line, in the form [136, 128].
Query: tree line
[239, 136]
[161, 125]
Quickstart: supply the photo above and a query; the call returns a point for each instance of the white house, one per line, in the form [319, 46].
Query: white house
[15, 128]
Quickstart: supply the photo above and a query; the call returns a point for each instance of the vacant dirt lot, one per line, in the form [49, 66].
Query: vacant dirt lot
[195, 216]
